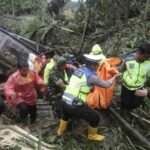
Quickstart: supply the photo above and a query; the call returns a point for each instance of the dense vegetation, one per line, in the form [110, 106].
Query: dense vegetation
[88, 22]
[119, 26]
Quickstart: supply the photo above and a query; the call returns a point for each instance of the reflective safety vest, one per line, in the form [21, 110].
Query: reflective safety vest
[66, 77]
[77, 90]
[136, 74]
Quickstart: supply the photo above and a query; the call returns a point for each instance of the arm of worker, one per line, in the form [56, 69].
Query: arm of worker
[57, 79]
[69, 66]
[39, 80]
[122, 67]
[94, 80]
[143, 92]
[61, 84]
[9, 88]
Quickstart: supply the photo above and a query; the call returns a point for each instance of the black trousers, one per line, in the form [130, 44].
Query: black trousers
[80, 111]
[2, 106]
[130, 101]
[26, 109]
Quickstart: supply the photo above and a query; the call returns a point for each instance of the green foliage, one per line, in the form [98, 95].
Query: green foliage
[69, 16]
[71, 5]
[54, 7]
[21, 7]
[111, 12]
[30, 25]
[4, 7]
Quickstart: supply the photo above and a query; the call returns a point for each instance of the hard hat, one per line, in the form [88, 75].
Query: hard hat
[93, 58]
[96, 49]
[60, 61]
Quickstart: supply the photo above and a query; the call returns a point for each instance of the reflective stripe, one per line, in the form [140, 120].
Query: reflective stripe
[79, 85]
[70, 100]
[69, 96]
[67, 102]
[71, 103]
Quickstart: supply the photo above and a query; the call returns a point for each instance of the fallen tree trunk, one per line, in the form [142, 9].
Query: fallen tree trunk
[12, 134]
[135, 133]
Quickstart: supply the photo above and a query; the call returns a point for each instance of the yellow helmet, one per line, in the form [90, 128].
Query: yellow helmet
[96, 49]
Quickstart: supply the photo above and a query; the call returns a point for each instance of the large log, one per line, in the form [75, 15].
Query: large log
[135, 133]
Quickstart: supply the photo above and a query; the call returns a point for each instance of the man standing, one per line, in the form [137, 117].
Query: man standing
[135, 75]
[57, 83]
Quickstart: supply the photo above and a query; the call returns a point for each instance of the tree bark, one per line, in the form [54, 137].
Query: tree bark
[146, 9]
[127, 6]
[13, 7]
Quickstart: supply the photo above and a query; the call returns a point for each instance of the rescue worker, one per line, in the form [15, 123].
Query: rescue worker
[135, 75]
[58, 81]
[21, 93]
[74, 97]
[96, 50]
[49, 67]
[58, 78]
[70, 66]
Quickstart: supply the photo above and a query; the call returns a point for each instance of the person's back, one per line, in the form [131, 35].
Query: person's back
[78, 86]
[57, 83]
[55, 77]
[49, 67]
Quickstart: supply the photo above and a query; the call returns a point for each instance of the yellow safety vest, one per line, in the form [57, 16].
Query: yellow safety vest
[77, 89]
[136, 74]
[66, 77]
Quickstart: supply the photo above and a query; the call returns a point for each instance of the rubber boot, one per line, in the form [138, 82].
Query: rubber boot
[92, 134]
[62, 127]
